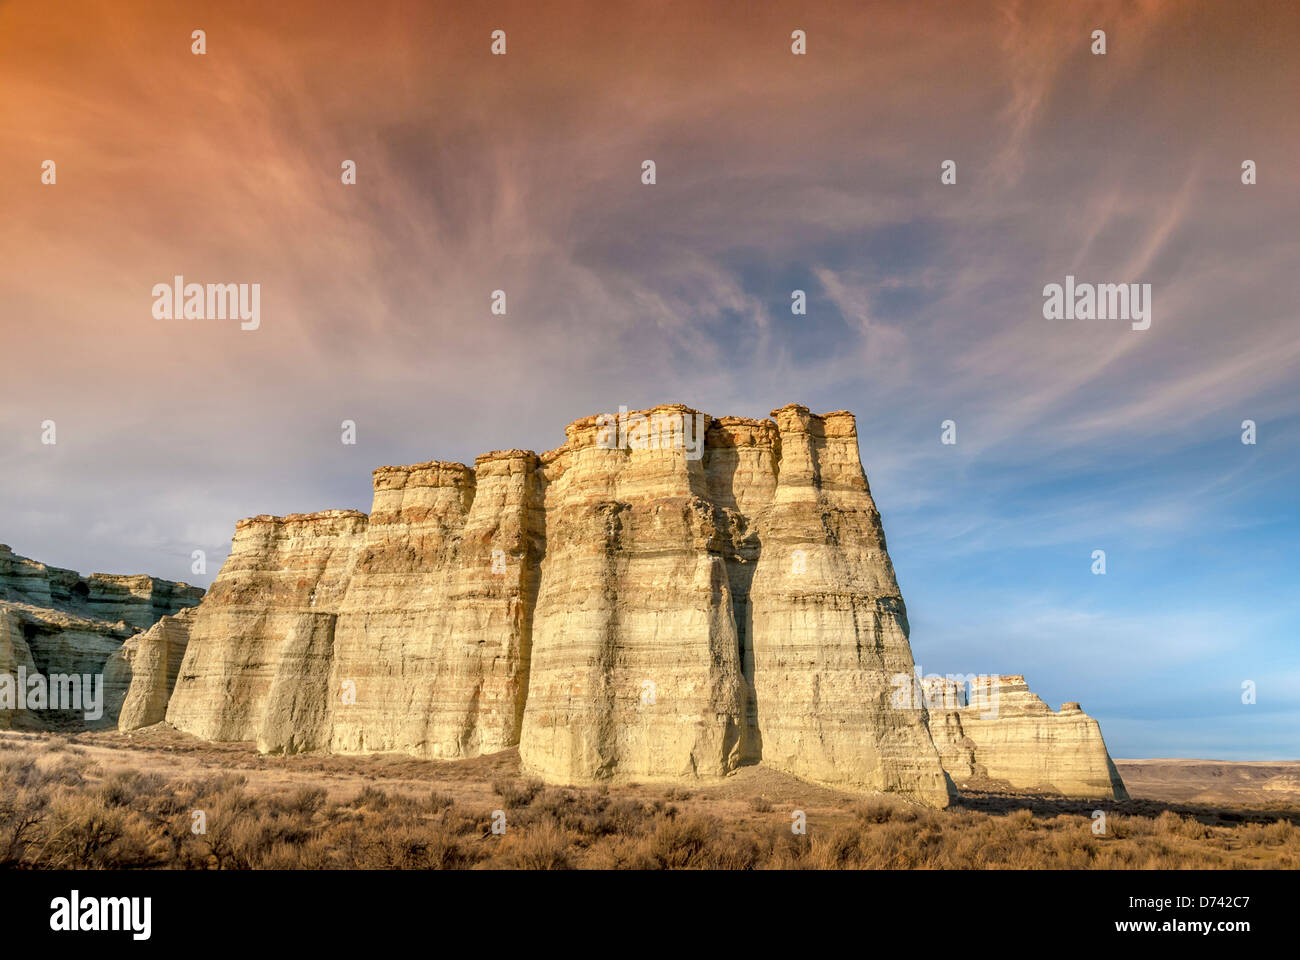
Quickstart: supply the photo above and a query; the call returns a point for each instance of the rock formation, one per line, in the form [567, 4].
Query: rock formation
[145, 670]
[15, 656]
[1011, 737]
[664, 596]
[432, 642]
[829, 626]
[54, 621]
[134, 599]
[260, 649]
[636, 662]
[645, 608]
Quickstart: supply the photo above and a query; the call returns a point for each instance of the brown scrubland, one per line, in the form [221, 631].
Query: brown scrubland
[104, 801]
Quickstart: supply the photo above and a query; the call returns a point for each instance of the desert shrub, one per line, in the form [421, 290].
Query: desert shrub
[371, 797]
[312, 855]
[695, 842]
[1129, 827]
[306, 801]
[23, 810]
[59, 769]
[242, 835]
[517, 793]
[1170, 824]
[1279, 831]
[123, 788]
[544, 845]
[882, 811]
[59, 809]
[444, 850]
[782, 850]
[85, 833]
[840, 848]
[439, 801]
[1020, 819]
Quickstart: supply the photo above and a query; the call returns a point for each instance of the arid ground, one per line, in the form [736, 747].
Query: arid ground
[106, 800]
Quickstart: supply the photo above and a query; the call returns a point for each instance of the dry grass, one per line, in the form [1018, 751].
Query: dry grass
[74, 804]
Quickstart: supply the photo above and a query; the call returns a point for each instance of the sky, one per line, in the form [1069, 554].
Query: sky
[774, 172]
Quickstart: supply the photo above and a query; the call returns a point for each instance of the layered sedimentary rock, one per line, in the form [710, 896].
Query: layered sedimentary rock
[636, 661]
[432, 645]
[1011, 736]
[148, 663]
[55, 622]
[632, 605]
[828, 623]
[259, 654]
[58, 646]
[404, 631]
[15, 657]
[134, 599]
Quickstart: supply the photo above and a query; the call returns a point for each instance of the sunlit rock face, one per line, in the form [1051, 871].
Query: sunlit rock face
[1007, 735]
[143, 673]
[257, 664]
[644, 603]
[431, 651]
[636, 661]
[829, 629]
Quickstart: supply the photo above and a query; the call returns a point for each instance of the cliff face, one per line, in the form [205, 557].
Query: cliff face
[1012, 736]
[14, 654]
[258, 659]
[405, 631]
[433, 634]
[664, 601]
[635, 667]
[56, 622]
[828, 623]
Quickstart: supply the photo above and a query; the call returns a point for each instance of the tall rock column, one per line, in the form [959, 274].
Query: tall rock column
[829, 626]
[149, 664]
[635, 659]
[431, 652]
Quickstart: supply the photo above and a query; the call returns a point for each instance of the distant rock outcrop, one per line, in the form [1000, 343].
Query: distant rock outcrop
[665, 596]
[1012, 737]
[54, 621]
[134, 599]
